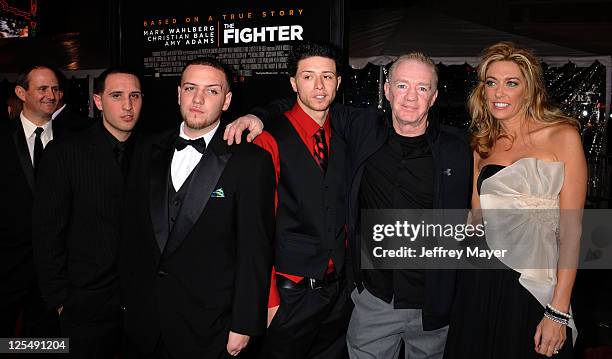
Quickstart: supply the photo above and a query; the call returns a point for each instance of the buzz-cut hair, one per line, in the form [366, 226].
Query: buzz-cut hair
[419, 57]
[215, 64]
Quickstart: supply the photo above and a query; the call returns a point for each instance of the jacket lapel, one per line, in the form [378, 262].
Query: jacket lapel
[161, 158]
[23, 154]
[203, 182]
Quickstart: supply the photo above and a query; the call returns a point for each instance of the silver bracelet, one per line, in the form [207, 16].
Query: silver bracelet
[561, 321]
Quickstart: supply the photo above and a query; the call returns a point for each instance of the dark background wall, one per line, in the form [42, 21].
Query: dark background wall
[581, 24]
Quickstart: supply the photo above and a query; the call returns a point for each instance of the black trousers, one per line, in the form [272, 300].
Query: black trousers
[161, 352]
[96, 340]
[310, 323]
[37, 321]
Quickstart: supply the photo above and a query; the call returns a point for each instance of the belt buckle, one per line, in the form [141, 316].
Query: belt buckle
[314, 284]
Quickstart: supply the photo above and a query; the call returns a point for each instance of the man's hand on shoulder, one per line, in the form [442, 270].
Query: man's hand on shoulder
[233, 131]
[236, 342]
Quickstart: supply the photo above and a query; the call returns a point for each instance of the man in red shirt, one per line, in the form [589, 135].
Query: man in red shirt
[308, 286]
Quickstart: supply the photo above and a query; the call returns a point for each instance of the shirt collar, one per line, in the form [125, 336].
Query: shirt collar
[57, 112]
[29, 127]
[306, 123]
[207, 137]
[114, 142]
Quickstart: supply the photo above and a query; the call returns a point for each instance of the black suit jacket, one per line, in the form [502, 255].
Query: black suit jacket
[70, 120]
[16, 190]
[213, 273]
[75, 226]
[366, 131]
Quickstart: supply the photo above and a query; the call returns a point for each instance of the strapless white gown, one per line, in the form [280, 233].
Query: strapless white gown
[520, 206]
[496, 311]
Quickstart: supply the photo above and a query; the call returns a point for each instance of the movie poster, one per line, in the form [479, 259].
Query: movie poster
[253, 41]
[253, 38]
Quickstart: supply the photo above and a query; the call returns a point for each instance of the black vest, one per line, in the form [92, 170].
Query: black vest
[311, 205]
[176, 198]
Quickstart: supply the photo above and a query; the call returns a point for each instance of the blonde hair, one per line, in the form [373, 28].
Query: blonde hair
[484, 128]
[419, 57]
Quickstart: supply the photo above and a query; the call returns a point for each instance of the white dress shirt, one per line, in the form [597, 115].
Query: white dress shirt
[183, 162]
[28, 129]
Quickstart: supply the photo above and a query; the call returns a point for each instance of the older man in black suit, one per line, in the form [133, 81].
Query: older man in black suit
[76, 216]
[21, 148]
[196, 255]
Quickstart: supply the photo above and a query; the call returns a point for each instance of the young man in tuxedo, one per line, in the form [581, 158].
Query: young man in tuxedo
[21, 148]
[76, 218]
[197, 244]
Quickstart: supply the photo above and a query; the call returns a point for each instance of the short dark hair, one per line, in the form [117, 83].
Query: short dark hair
[23, 79]
[215, 64]
[308, 49]
[100, 81]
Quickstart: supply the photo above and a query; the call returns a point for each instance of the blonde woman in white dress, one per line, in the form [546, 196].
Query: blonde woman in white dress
[527, 156]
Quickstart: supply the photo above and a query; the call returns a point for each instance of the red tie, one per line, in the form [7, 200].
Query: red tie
[320, 148]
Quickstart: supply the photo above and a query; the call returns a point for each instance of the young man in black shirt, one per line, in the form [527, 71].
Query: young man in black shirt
[76, 219]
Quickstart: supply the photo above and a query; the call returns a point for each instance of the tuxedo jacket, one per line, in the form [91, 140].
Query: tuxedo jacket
[210, 273]
[17, 184]
[75, 226]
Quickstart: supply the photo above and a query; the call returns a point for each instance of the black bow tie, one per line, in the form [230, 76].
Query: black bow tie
[199, 144]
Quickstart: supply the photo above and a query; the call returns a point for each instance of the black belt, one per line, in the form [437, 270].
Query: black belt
[307, 283]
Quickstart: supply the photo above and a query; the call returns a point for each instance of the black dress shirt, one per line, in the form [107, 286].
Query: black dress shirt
[121, 150]
[399, 175]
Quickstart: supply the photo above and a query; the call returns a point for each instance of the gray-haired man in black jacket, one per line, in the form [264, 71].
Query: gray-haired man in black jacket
[410, 162]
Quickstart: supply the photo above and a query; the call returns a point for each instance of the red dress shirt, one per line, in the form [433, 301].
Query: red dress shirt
[306, 128]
